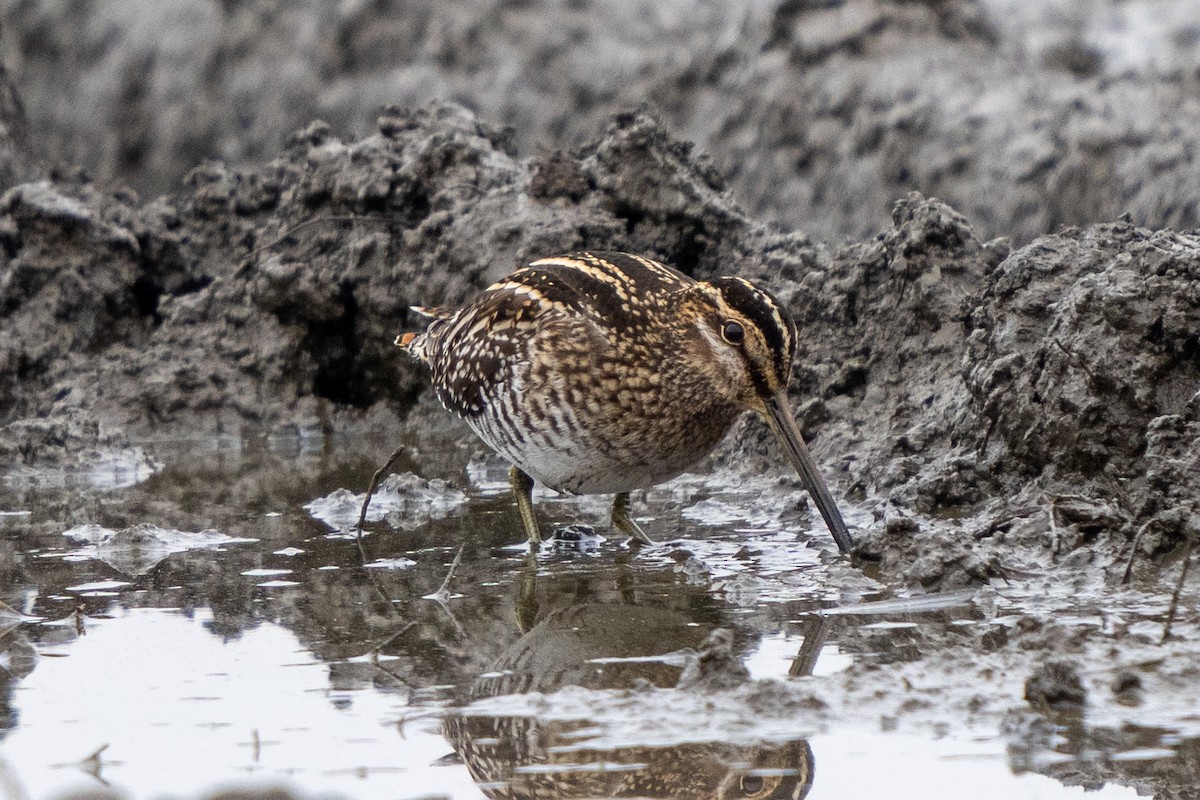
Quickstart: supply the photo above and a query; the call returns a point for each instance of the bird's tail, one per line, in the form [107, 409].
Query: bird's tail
[414, 343]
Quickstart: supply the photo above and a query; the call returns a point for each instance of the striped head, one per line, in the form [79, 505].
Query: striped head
[745, 339]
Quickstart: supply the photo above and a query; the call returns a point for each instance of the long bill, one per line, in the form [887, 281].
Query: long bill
[779, 414]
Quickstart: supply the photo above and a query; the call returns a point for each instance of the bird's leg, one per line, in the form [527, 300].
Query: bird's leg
[624, 523]
[625, 578]
[522, 486]
[527, 601]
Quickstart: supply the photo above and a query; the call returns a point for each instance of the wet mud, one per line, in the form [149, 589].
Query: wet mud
[1008, 410]
[727, 660]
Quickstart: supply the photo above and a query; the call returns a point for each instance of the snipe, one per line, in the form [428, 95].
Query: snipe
[609, 372]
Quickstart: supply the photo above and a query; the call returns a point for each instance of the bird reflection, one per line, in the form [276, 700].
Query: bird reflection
[17, 659]
[612, 646]
[516, 758]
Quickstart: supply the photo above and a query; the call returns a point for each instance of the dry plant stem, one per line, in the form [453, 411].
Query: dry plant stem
[377, 647]
[95, 756]
[444, 606]
[1054, 543]
[355, 218]
[1137, 537]
[362, 514]
[362, 518]
[281, 238]
[816, 630]
[443, 592]
[442, 595]
[1187, 557]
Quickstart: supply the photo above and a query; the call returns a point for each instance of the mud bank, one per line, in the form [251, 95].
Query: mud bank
[270, 297]
[1024, 116]
[1041, 404]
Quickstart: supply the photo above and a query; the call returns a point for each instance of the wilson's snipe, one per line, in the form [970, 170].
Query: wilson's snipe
[609, 372]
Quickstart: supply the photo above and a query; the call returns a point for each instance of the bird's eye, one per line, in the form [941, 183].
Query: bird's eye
[751, 785]
[733, 332]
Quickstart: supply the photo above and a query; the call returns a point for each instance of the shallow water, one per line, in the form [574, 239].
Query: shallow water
[215, 626]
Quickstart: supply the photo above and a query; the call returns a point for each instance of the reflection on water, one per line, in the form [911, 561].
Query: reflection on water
[202, 629]
[520, 758]
[1067, 748]
[610, 646]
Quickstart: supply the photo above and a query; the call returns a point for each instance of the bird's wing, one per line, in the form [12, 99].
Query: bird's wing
[479, 351]
[564, 308]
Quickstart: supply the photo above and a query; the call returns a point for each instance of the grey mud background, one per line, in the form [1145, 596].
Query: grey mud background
[217, 214]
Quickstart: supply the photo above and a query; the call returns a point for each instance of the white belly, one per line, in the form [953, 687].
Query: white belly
[573, 468]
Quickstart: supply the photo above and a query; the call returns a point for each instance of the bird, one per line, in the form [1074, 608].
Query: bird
[609, 372]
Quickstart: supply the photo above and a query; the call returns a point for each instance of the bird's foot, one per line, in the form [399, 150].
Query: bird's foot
[623, 522]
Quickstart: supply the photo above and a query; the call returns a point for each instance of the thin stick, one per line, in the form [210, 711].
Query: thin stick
[362, 514]
[376, 648]
[816, 629]
[288, 231]
[443, 593]
[1079, 362]
[1187, 557]
[1137, 537]
[313, 221]
[1055, 544]
[94, 757]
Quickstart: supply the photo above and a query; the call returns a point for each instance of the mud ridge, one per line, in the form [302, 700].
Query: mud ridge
[1024, 116]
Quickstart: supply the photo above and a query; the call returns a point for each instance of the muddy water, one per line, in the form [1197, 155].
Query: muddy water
[200, 617]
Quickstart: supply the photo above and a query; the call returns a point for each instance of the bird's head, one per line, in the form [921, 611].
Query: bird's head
[743, 342]
[745, 337]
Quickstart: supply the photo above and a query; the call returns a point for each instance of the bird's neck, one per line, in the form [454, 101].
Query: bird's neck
[697, 367]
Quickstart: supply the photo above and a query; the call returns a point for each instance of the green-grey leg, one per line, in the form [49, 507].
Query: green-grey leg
[624, 523]
[522, 486]
[527, 601]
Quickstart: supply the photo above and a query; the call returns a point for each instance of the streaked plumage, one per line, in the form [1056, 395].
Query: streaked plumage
[609, 372]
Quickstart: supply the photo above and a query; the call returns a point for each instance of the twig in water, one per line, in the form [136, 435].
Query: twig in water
[443, 592]
[442, 595]
[1137, 537]
[362, 514]
[94, 764]
[376, 648]
[1187, 557]
[380, 668]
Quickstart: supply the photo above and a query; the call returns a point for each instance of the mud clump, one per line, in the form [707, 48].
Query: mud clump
[1056, 685]
[1079, 343]
[1044, 396]
[716, 666]
[1083, 363]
